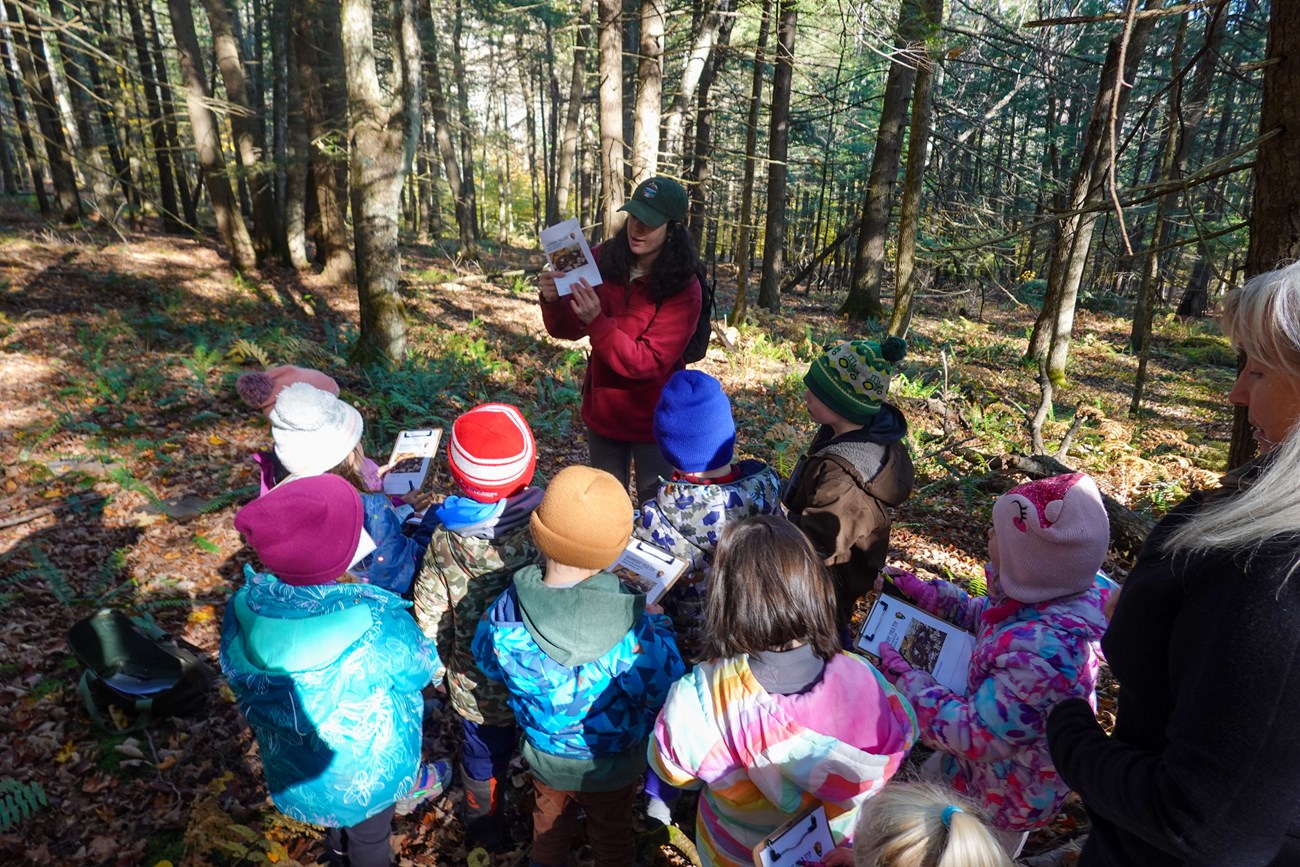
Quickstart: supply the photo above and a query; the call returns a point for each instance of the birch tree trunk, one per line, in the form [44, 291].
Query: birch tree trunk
[384, 132]
[611, 113]
[207, 141]
[769, 287]
[706, 37]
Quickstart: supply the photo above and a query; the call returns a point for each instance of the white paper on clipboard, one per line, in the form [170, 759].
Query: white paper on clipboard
[648, 568]
[927, 642]
[413, 453]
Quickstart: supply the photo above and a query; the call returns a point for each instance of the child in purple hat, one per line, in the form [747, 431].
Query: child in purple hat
[329, 672]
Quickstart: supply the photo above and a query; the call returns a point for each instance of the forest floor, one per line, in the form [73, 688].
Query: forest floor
[124, 456]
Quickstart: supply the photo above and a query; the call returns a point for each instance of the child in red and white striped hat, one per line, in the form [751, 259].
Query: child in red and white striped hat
[476, 544]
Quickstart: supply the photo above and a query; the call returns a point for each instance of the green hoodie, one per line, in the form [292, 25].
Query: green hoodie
[577, 624]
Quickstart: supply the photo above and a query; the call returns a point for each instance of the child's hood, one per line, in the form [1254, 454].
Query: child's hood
[572, 625]
[871, 452]
[287, 629]
[1082, 614]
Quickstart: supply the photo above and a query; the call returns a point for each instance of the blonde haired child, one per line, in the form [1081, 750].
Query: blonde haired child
[923, 825]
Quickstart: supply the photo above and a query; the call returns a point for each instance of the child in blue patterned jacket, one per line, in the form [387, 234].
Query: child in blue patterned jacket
[587, 665]
[709, 490]
[329, 672]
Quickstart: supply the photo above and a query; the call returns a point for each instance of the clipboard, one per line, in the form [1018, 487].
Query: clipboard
[412, 455]
[804, 840]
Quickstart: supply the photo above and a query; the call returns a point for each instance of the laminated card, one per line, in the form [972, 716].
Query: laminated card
[566, 250]
[648, 569]
[413, 453]
[804, 840]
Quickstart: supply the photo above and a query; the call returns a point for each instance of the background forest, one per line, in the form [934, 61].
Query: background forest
[1044, 197]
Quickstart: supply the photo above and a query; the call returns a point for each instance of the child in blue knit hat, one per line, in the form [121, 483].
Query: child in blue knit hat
[709, 489]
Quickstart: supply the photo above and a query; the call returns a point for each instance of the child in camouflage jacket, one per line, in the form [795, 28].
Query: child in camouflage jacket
[697, 436]
[476, 543]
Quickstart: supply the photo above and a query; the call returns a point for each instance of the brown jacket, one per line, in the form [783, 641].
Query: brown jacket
[840, 495]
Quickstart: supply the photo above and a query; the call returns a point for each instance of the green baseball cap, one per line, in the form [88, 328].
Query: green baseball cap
[656, 201]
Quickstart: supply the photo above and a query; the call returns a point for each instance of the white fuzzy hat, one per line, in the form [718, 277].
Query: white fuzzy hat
[313, 430]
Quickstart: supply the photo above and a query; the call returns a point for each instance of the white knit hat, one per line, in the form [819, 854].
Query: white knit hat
[313, 430]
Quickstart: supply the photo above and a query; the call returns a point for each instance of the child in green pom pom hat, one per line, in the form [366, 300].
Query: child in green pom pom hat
[856, 469]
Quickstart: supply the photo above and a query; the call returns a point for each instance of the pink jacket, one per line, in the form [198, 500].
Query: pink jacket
[1027, 659]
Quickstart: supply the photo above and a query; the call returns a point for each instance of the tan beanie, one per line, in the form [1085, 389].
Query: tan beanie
[585, 518]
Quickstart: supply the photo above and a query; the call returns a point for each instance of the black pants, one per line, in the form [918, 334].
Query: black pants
[617, 456]
[365, 844]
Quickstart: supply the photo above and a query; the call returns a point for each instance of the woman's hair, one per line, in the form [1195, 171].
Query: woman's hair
[673, 268]
[904, 825]
[768, 588]
[1262, 319]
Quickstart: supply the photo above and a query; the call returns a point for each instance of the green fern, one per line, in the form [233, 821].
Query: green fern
[105, 581]
[48, 574]
[19, 801]
[244, 349]
[218, 503]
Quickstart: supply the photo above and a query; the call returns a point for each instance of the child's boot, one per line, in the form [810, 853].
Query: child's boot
[484, 820]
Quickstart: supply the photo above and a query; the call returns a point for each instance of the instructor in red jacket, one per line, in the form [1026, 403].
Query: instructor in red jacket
[639, 321]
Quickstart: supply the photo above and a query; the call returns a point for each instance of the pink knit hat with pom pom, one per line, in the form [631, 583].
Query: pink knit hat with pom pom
[1052, 537]
[259, 389]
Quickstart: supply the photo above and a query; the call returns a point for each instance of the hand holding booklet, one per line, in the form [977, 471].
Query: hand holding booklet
[927, 642]
[413, 452]
[566, 251]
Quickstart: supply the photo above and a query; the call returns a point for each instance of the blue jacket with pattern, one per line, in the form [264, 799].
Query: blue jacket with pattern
[580, 706]
[329, 678]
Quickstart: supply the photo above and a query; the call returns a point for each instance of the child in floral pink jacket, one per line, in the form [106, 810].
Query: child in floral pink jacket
[1036, 645]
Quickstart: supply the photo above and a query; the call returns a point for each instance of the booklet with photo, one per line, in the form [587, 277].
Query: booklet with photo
[805, 839]
[566, 250]
[927, 642]
[648, 569]
[413, 453]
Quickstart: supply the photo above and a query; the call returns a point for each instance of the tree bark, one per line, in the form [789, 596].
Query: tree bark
[918, 143]
[649, 92]
[610, 13]
[207, 141]
[466, 120]
[1275, 211]
[34, 163]
[697, 59]
[174, 152]
[769, 287]
[702, 140]
[298, 156]
[268, 237]
[312, 27]
[741, 253]
[442, 131]
[572, 114]
[83, 114]
[170, 204]
[1072, 236]
[863, 300]
[384, 133]
[40, 89]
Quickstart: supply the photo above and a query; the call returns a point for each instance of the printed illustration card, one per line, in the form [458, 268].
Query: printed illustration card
[804, 840]
[566, 250]
[648, 569]
[926, 641]
[413, 453]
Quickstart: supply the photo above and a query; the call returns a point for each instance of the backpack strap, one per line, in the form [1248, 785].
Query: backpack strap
[142, 707]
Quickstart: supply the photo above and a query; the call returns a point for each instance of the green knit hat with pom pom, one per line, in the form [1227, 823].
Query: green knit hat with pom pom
[853, 377]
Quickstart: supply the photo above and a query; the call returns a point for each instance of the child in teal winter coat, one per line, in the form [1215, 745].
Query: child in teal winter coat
[328, 674]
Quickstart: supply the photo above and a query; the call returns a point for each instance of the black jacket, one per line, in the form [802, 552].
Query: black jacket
[1204, 764]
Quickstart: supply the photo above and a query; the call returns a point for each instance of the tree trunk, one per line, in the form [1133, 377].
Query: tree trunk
[170, 204]
[702, 47]
[572, 114]
[649, 92]
[83, 113]
[207, 142]
[34, 165]
[311, 27]
[1275, 212]
[40, 90]
[610, 13]
[769, 287]
[443, 136]
[918, 142]
[383, 136]
[466, 120]
[174, 151]
[298, 156]
[1073, 235]
[702, 140]
[268, 238]
[741, 253]
[863, 300]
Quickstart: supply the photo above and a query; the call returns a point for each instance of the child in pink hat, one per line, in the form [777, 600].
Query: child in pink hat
[1036, 644]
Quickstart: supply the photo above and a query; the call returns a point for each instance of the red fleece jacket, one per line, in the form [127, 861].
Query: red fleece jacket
[635, 348]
